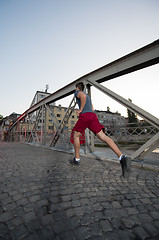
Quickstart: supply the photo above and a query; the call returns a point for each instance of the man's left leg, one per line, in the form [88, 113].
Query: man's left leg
[77, 144]
[76, 159]
[101, 135]
[124, 160]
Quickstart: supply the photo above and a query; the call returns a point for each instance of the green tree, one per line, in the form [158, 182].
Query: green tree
[1, 117]
[132, 117]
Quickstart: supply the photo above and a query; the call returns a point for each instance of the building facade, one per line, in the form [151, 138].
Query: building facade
[6, 123]
[110, 119]
[52, 118]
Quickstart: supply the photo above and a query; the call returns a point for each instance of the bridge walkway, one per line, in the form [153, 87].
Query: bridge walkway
[43, 197]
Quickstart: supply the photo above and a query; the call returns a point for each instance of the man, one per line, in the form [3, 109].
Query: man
[88, 119]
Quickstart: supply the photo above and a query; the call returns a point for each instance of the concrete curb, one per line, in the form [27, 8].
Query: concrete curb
[101, 156]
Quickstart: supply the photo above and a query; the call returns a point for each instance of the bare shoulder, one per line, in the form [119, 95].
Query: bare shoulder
[81, 94]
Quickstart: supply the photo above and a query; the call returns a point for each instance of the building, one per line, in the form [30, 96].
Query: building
[6, 123]
[57, 111]
[110, 119]
[53, 116]
[1, 117]
[39, 95]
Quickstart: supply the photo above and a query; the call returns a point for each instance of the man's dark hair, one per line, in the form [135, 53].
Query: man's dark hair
[80, 85]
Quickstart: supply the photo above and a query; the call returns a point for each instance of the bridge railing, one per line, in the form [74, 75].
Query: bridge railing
[125, 134]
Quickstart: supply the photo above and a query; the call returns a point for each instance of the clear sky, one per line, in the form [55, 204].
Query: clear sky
[55, 42]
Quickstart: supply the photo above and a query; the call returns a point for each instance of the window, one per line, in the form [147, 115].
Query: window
[58, 115]
[42, 96]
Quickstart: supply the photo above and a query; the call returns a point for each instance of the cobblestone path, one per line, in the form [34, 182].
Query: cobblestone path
[43, 197]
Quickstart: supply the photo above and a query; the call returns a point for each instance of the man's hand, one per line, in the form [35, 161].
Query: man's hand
[78, 112]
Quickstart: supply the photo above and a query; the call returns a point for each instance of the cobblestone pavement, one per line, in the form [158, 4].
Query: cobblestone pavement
[43, 197]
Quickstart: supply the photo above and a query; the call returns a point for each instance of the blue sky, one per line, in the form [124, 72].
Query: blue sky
[55, 42]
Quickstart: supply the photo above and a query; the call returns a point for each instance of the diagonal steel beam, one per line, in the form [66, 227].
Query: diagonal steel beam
[58, 130]
[139, 59]
[33, 129]
[68, 113]
[148, 147]
[154, 141]
[134, 108]
[64, 121]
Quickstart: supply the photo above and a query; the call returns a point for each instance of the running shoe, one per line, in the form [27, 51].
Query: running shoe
[74, 162]
[125, 166]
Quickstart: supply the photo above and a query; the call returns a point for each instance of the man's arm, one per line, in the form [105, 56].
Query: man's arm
[82, 98]
[92, 108]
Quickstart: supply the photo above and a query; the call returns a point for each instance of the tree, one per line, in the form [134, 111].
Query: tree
[132, 117]
[1, 118]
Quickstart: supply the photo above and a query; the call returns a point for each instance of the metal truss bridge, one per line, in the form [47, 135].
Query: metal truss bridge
[26, 126]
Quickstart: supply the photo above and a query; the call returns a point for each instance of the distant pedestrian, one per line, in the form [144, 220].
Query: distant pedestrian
[88, 119]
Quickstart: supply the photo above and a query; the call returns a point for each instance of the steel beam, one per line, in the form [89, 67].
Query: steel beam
[64, 121]
[148, 147]
[88, 134]
[139, 59]
[142, 58]
[154, 141]
[58, 133]
[134, 108]
[33, 129]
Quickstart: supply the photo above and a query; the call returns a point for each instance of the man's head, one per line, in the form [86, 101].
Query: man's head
[80, 86]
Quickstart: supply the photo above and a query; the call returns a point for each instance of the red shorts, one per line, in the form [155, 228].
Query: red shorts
[88, 120]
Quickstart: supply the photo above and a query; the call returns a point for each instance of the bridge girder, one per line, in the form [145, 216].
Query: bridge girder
[139, 59]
